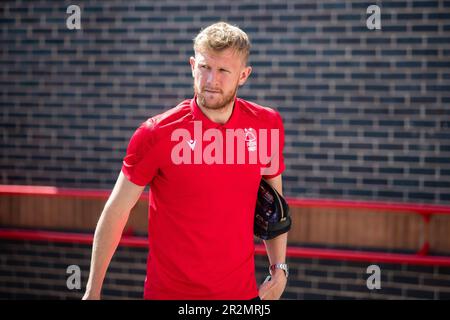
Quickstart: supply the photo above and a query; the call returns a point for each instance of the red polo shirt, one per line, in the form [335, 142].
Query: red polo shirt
[202, 197]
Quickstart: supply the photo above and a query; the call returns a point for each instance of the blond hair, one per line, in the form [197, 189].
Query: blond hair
[220, 36]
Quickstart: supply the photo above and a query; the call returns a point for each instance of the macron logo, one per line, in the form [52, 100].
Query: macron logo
[191, 144]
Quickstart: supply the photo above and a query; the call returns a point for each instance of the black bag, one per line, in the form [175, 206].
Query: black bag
[271, 214]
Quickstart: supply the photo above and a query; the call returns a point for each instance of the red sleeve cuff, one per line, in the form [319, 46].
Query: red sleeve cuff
[131, 178]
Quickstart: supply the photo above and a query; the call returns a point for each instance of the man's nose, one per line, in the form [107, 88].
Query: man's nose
[212, 78]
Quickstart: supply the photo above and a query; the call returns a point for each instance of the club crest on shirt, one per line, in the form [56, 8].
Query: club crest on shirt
[250, 139]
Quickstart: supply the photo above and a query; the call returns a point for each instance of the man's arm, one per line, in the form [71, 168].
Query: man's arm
[276, 252]
[109, 231]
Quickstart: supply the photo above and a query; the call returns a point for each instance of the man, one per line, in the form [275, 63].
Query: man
[203, 184]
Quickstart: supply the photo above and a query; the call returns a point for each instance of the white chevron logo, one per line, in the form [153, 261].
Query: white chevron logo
[192, 144]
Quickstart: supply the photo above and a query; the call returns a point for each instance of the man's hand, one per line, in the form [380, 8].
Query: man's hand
[273, 289]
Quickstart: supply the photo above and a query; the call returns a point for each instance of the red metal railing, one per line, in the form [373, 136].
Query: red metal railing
[421, 257]
[425, 211]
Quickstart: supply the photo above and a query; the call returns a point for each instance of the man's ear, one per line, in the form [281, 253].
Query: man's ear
[192, 62]
[245, 73]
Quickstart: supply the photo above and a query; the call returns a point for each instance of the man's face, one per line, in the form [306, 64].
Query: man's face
[217, 76]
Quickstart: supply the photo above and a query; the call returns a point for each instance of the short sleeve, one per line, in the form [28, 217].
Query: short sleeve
[276, 165]
[140, 163]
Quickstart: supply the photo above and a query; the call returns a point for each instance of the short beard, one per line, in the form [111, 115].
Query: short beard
[222, 104]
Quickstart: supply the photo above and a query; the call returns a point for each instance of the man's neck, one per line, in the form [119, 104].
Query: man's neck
[221, 115]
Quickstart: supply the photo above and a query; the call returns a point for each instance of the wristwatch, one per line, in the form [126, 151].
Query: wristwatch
[282, 266]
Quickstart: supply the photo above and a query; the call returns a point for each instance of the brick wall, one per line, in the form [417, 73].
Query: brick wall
[37, 270]
[366, 112]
